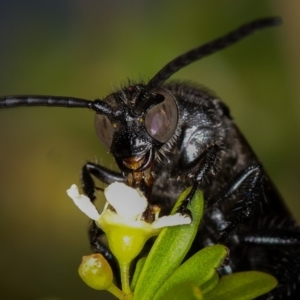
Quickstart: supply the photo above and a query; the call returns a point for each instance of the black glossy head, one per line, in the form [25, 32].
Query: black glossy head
[137, 123]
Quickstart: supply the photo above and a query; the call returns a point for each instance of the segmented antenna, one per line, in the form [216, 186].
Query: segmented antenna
[207, 49]
[98, 106]
[14, 101]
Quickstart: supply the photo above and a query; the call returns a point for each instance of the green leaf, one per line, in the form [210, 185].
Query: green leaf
[138, 269]
[210, 284]
[198, 269]
[184, 291]
[169, 250]
[242, 286]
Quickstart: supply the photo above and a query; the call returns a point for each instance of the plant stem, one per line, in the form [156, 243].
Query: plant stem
[116, 292]
[124, 270]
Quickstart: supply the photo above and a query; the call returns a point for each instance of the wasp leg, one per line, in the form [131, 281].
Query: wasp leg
[245, 192]
[103, 174]
[98, 246]
[106, 176]
[95, 234]
[205, 166]
[246, 180]
[274, 246]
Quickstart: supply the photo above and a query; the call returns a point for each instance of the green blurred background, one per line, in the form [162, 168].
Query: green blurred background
[84, 49]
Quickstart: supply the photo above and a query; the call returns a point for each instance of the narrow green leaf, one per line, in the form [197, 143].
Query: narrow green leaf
[198, 269]
[169, 250]
[138, 269]
[242, 286]
[184, 291]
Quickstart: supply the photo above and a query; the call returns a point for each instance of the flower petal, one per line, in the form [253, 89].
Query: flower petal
[83, 203]
[173, 220]
[127, 201]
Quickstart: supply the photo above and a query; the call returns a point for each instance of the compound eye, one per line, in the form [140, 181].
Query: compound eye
[161, 120]
[104, 130]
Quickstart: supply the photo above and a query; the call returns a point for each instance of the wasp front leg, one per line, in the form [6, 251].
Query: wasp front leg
[103, 174]
[95, 233]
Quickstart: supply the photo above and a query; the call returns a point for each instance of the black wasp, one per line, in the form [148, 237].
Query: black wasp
[166, 137]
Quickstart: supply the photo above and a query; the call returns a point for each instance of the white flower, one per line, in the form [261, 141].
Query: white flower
[126, 231]
[129, 204]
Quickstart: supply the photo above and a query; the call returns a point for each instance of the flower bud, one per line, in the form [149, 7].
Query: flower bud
[96, 272]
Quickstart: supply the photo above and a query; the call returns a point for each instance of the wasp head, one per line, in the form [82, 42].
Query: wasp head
[133, 125]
